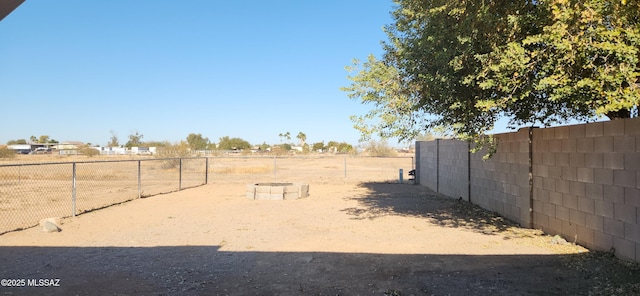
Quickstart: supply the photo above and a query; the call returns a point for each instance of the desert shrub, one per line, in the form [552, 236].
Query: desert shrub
[7, 153]
[173, 152]
[88, 151]
[380, 149]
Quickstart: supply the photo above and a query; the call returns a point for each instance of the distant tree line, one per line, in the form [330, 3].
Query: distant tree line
[197, 142]
[43, 139]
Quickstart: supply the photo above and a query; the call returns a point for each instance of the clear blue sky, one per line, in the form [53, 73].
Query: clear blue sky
[75, 70]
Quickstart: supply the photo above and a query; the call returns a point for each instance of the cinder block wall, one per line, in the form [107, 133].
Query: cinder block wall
[585, 181]
[453, 168]
[501, 183]
[587, 184]
[427, 164]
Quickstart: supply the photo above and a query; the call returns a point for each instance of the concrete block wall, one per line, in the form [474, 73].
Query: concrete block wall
[501, 183]
[584, 182]
[443, 166]
[427, 164]
[453, 169]
[587, 184]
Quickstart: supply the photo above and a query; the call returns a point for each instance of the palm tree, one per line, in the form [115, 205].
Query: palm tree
[302, 138]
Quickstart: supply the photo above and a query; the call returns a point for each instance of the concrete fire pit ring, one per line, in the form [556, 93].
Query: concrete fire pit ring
[277, 191]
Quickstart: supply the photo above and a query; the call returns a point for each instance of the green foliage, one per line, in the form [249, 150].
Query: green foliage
[135, 140]
[197, 142]
[285, 136]
[43, 139]
[264, 146]
[302, 137]
[227, 143]
[17, 142]
[113, 140]
[394, 113]
[319, 146]
[583, 63]
[341, 147]
[344, 147]
[458, 66]
[6, 153]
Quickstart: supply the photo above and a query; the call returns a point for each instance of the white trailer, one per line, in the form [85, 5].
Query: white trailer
[20, 148]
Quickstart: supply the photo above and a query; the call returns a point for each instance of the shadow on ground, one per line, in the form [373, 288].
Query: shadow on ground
[606, 274]
[212, 270]
[207, 270]
[418, 201]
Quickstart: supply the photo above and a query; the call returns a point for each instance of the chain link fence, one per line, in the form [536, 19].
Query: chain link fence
[309, 169]
[31, 192]
[34, 191]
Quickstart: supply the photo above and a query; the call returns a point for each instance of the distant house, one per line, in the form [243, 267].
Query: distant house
[142, 150]
[112, 150]
[68, 145]
[126, 151]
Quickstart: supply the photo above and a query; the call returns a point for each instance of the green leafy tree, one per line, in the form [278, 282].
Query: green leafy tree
[33, 139]
[344, 147]
[394, 112]
[227, 143]
[135, 140]
[197, 142]
[302, 137]
[458, 66]
[332, 144]
[284, 136]
[17, 142]
[318, 146]
[113, 140]
[43, 139]
[583, 63]
[264, 146]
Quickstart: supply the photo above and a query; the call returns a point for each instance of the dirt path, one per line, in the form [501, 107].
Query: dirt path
[345, 239]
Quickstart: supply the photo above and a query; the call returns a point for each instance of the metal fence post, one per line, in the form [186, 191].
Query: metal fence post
[345, 167]
[73, 190]
[180, 175]
[139, 180]
[206, 171]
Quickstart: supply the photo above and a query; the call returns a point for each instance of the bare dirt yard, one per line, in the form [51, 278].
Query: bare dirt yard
[346, 238]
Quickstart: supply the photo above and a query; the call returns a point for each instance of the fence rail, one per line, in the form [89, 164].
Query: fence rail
[33, 191]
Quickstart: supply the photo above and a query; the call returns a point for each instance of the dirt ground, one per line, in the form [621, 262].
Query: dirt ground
[346, 238]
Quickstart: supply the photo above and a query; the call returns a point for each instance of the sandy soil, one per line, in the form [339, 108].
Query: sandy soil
[347, 238]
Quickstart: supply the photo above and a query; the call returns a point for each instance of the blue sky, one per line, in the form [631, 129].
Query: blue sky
[76, 70]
